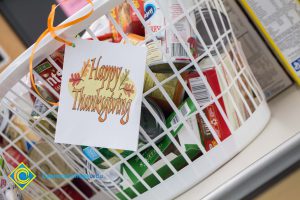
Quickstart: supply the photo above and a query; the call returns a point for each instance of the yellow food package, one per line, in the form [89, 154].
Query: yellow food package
[279, 23]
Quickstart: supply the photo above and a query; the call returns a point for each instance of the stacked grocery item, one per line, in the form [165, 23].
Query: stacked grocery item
[184, 113]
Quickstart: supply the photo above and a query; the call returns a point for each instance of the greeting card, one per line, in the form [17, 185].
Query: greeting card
[101, 95]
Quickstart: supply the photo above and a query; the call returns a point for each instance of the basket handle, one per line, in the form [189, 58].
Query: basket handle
[51, 29]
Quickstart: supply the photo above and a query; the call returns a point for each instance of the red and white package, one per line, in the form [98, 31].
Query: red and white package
[49, 73]
[199, 90]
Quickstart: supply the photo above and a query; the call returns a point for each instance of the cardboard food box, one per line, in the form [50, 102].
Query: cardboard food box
[279, 23]
[267, 70]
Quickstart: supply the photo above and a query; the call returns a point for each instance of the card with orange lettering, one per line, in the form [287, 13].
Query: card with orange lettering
[101, 95]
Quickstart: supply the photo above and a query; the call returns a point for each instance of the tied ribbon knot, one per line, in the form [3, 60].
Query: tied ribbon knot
[51, 29]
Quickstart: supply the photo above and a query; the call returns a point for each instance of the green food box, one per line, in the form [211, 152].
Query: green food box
[150, 154]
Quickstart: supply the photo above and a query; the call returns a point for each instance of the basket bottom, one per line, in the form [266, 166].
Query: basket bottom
[214, 159]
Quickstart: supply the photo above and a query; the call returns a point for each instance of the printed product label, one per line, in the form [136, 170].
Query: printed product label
[154, 53]
[90, 153]
[154, 16]
[296, 65]
[281, 20]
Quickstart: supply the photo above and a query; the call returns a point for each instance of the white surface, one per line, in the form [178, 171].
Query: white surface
[284, 123]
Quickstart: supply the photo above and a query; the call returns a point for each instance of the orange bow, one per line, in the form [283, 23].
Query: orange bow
[51, 29]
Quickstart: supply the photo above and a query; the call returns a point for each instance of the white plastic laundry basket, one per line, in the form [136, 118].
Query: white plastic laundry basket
[245, 115]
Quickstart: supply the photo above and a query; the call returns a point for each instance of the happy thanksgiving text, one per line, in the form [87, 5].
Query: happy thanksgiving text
[113, 94]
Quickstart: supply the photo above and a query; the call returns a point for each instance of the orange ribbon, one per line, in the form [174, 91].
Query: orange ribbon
[51, 29]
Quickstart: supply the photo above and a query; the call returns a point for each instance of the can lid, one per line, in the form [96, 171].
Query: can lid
[149, 123]
[55, 159]
[217, 18]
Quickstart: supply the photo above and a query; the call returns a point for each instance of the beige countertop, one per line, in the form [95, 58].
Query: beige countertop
[9, 42]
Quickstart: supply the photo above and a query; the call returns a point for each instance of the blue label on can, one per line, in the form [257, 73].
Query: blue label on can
[150, 10]
[296, 65]
[28, 146]
[90, 153]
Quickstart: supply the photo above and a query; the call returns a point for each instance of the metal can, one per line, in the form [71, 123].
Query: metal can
[55, 159]
[167, 44]
[149, 123]
[209, 19]
[173, 88]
